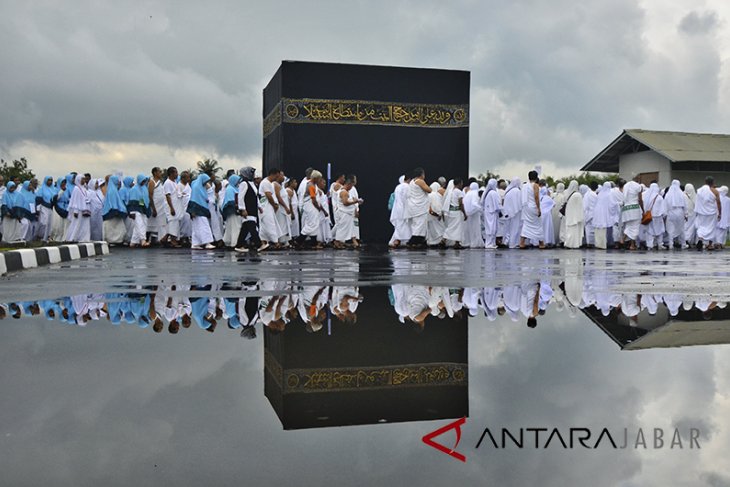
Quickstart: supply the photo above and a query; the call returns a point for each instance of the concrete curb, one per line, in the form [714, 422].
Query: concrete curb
[15, 260]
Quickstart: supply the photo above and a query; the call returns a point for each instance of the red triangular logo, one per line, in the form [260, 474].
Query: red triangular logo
[428, 439]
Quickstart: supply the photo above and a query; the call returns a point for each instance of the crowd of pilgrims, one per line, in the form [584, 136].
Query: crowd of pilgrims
[241, 211]
[620, 214]
[171, 307]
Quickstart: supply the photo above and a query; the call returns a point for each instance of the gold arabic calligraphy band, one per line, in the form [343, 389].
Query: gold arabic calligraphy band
[310, 110]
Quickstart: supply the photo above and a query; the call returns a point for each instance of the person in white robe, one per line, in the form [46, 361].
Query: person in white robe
[690, 231]
[436, 226]
[79, 212]
[96, 199]
[589, 203]
[605, 215]
[547, 203]
[492, 204]
[175, 191]
[631, 212]
[291, 191]
[268, 225]
[708, 211]
[454, 214]
[573, 220]
[501, 187]
[401, 225]
[675, 203]
[334, 194]
[344, 207]
[559, 198]
[512, 210]
[531, 213]
[172, 207]
[473, 238]
[654, 202]
[157, 222]
[325, 224]
[724, 222]
[416, 210]
[283, 212]
[311, 210]
[356, 196]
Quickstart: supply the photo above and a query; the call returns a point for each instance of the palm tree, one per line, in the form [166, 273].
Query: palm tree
[208, 166]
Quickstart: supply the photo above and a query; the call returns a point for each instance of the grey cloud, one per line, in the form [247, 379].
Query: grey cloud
[696, 23]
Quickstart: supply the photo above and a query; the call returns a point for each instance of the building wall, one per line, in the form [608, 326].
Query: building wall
[641, 162]
[697, 178]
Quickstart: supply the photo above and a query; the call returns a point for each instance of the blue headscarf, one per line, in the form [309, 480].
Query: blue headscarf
[46, 193]
[199, 310]
[139, 197]
[229, 199]
[126, 188]
[114, 206]
[25, 200]
[70, 183]
[233, 320]
[9, 200]
[49, 305]
[198, 205]
[63, 200]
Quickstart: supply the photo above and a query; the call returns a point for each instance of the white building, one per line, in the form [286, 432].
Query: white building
[648, 155]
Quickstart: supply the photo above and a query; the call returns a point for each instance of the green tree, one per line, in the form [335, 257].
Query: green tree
[584, 178]
[209, 166]
[16, 169]
[485, 177]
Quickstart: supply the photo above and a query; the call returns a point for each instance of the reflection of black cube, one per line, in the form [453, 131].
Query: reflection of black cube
[376, 122]
[375, 370]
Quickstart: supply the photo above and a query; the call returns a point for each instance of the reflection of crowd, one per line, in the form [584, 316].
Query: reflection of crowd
[174, 307]
[416, 303]
[530, 300]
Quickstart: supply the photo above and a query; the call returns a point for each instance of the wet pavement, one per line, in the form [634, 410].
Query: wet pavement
[162, 367]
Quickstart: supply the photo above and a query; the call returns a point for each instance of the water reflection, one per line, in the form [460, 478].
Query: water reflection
[632, 320]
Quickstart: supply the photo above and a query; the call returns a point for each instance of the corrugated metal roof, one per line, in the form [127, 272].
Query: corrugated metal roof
[684, 333]
[675, 146]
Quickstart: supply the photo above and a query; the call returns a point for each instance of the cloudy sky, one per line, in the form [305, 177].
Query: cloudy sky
[128, 85]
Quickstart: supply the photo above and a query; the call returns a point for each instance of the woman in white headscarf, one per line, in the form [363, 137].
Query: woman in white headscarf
[654, 202]
[454, 213]
[512, 209]
[690, 231]
[473, 208]
[573, 218]
[605, 215]
[676, 205]
[492, 205]
[79, 213]
[559, 198]
[96, 198]
[436, 225]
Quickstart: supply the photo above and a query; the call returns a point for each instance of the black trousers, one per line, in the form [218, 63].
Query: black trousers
[248, 229]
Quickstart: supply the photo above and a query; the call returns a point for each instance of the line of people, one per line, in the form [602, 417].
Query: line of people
[241, 211]
[621, 214]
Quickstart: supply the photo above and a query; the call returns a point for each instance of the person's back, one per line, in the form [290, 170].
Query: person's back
[706, 201]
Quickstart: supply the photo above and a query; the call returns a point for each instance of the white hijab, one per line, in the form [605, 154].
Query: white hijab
[674, 197]
[471, 200]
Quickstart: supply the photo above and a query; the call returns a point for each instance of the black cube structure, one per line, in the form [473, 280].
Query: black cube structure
[373, 121]
[376, 370]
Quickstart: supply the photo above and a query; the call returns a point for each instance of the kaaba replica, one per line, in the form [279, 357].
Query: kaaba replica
[375, 370]
[372, 121]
